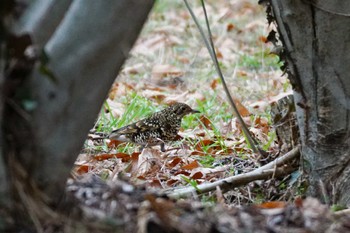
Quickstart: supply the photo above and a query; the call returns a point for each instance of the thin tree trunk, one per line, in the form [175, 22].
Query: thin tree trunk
[316, 39]
[49, 113]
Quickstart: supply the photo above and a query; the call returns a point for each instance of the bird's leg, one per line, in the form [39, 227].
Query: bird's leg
[141, 148]
[162, 147]
[162, 144]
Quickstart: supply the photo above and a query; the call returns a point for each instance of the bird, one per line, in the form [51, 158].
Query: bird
[158, 128]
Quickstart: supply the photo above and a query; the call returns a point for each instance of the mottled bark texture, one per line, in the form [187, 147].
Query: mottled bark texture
[63, 58]
[316, 40]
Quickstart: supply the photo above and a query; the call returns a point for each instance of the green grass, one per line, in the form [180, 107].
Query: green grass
[207, 161]
[258, 61]
[137, 108]
[191, 182]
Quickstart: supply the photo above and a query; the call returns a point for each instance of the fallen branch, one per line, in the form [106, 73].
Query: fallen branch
[272, 169]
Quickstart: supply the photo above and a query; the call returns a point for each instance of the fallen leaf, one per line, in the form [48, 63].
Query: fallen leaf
[219, 54]
[201, 134]
[174, 162]
[172, 182]
[200, 153]
[197, 175]
[206, 122]
[155, 183]
[242, 73]
[114, 143]
[125, 157]
[263, 39]
[262, 124]
[182, 172]
[272, 205]
[230, 27]
[191, 166]
[243, 111]
[214, 84]
[81, 169]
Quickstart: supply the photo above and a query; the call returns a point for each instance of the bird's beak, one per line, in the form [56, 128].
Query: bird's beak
[195, 111]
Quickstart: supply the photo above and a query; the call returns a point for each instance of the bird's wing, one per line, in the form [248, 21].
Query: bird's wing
[129, 129]
[147, 125]
[137, 127]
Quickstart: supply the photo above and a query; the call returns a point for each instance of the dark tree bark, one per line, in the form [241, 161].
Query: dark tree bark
[52, 98]
[316, 40]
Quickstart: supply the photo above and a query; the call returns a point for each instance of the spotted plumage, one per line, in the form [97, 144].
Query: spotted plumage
[157, 129]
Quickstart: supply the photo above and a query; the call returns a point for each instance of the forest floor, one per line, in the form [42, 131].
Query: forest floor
[170, 63]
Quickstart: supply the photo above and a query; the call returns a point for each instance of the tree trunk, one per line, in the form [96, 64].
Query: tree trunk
[316, 40]
[53, 100]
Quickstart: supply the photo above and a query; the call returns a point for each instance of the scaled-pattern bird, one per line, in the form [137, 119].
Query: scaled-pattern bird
[157, 129]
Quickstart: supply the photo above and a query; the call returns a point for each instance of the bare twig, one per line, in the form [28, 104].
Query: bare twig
[272, 169]
[211, 49]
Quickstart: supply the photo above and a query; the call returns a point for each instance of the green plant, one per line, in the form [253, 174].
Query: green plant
[207, 160]
[191, 182]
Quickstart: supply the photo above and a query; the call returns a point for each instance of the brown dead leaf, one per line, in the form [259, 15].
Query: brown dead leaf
[272, 205]
[123, 156]
[230, 27]
[242, 73]
[262, 124]
[158, 98]
[206, 122]
[263, 39]
[114, 143]
[243, 111]
[191, 165]
[174, 162]
[197, 175]
[154, 182]
[227, 151]
[219, 54]
[82, 169]
[200, 153]
[101, 157]
[182, 172]
[171, 182]
[214, 84]
[201, 134]
[204, 142]
[135, 155]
